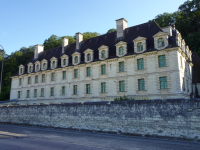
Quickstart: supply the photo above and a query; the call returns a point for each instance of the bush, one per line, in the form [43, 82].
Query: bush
[123, 98]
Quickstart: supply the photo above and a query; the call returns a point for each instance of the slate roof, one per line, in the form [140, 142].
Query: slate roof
[144, 30]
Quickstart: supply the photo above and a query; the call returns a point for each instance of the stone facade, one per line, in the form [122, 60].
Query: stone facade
[177, 71]
[165, 118]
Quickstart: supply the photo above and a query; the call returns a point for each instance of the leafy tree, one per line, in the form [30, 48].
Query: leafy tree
[88, 35]
[111, 30]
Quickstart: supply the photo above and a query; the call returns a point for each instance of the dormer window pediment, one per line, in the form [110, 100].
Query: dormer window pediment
[103, 52]
[76, 56]
[54, 62]
[161, 40]
[88, 55]
[121, 48]
[37, 66]
[64, 60]
[140, 44]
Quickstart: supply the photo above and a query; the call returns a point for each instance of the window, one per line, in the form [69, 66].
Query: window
[64, 62]
[76, 59]
[88, 57]
[140, 63]
[103, 87]
[21, 71]
[35, 92]
[52, 76]
[121, 66]
[37, 68]
[20, 81]
[121, 86]
[75, 89]
[141, 86]
[54, 64]
[181, 62]
[63, 90]
[52, 91]
[30, 69]
[87, 88]
[29, 80]
[139, 47]
[18, 95]
[44, 65]
[43, 77]
[162, 61]
[161, 42]
[36, 79]
[183, 84]
[163, 82]
[103, 69]
[121, 50]
[88, 71]
[42, 92]
[28, 94]
[103, 54]
[64, 75]
[75, 73]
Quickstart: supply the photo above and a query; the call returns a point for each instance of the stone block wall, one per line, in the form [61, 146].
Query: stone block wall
[166, 118]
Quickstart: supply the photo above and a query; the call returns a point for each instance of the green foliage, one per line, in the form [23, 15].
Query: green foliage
[111, 30]
[88, 35]
[187, 22]
[123, 98]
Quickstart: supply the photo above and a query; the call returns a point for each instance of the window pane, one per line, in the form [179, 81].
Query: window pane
[121, 66]
[52, 91]
[63, 90]
[103, 54]
[140, 64]
[18, 94]
[29, 80]
[163, 82]
[42, 92]
[35, 92]
[87, 88]
[103, 87]
[64, 75]
[121, 86]
[141, 85]
[75, 89]
[64, 62]
[88, 71]
[75, 73]
[121, 50]
[162, 61]
[44, 65]
[43, 78]
[103, 69]
[139, 47]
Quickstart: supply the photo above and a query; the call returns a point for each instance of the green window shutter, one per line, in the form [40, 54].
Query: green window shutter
[121, 66]
[42, 92]
[162, 61]
[29, 80]
[88, 57]
[121, 50]
[76, 59]
[63, 90]
[52, 76]
[44, 65]
[140, 64]
[76, 73]
[103, 55]
[43, 78]
[52, 91]
[36, 79]
[87, 88]
[163, 82]
[103, 87]
[64, 75]
[121, 86]
[64, 62]
[103, 69]
[75, 89]
[141, 84]
[88, 71]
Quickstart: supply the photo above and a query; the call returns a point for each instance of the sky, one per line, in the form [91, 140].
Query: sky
[24, 23]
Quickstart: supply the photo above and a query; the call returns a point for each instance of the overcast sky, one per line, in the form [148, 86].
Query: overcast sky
[29, 22]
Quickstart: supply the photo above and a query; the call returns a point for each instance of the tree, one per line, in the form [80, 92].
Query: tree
[111, 30]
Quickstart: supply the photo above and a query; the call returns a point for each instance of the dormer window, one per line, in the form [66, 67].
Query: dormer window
[121, 48]
[88, 57]
[21, 69]
[37, 66]
[76, 58]
[103, 52]
[30, 69]
[139, 47]
[44, 64]
[64, 60]
[161, 42]
[53, 62]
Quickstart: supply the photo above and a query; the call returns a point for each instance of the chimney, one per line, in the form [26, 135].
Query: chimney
[64, 43]
[79, 38]
[121, 25]
[168, 29]
[38, 49]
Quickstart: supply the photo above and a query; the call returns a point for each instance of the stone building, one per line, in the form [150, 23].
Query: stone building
[143, 62]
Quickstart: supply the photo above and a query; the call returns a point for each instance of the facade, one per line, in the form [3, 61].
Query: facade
[143, 62]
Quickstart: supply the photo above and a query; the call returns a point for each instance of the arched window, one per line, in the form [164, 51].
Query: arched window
[29, 68]
[88, 57]
[76, 59]
[44, 65]
[64, 62]
[54, 64]
[103, 54]
[161, 42]
[121, 50]
[139, 47]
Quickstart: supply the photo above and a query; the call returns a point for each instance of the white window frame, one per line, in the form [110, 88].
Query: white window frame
[56, 62]
[86, 52]
[73, 58]
[67, 60]
[121, 44]
[103, 48]
[138, 40]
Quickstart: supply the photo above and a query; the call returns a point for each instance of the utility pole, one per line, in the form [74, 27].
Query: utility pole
[1, 67]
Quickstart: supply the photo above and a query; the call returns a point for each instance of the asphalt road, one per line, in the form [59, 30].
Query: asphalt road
[15, 137]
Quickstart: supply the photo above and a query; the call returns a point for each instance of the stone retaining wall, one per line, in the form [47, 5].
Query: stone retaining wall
[166, 118]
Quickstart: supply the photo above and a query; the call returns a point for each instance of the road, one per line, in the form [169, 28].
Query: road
[17, 137]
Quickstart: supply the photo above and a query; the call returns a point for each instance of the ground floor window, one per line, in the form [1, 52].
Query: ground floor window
[75, 89]
[141, 85]
[121, 86]
[163, 82]
[87, 88]
[103, 87]
[52, 91]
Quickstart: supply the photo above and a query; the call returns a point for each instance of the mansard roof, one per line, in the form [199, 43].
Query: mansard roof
[147, 30]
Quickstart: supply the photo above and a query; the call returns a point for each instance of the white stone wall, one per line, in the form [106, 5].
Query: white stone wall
[150, 74]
